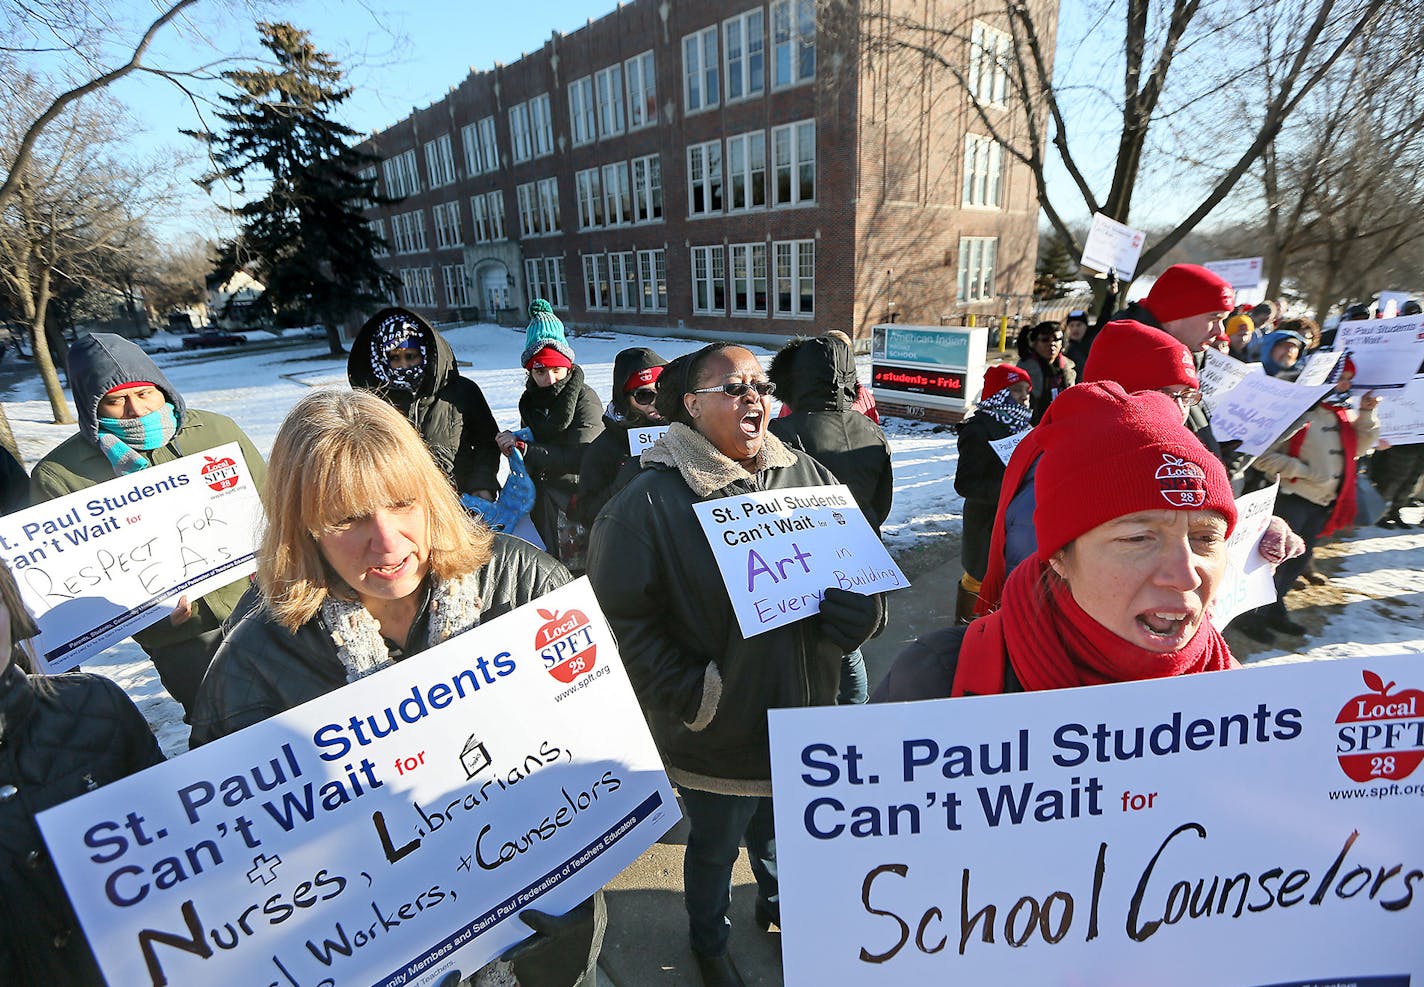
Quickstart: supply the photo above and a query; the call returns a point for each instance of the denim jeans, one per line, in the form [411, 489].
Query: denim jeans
[719, 825]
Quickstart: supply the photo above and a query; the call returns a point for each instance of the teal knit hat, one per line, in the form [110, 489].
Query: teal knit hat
[544, 329]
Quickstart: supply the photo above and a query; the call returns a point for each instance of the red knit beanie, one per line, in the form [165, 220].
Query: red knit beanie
[548, 357]
[641, 378]
[1185, 290]
[1111, 454]
[130, 383]
[1000, 376]
[1139, 358]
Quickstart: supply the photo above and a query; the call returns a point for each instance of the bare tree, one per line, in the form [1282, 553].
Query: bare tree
[1178, 62]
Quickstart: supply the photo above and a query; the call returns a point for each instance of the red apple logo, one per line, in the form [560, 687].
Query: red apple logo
[220, 474]
[565, 644]
[1381, 736]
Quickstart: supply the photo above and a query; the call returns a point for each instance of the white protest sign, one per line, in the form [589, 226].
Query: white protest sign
[1388, 303]
[1112, 247]
[1401, 414]
[1259, 409]
[1386, 352]
[1318, 367]
[1004, 448]
[1241, 272]
[98, 565]
[778, 550]
[387, 833]
[1238, 828]
[1247, 583]
[1220, 373]
[640, 439]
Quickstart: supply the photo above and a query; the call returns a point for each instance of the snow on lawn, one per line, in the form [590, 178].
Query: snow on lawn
[1381, 579]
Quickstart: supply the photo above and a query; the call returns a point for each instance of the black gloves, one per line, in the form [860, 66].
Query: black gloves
[557, 952]
[849, 619]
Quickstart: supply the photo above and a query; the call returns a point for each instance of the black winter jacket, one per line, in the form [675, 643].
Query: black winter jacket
[816, 378]
[977, 479]
[924, 669]
[565, 419]
[60, 736]
[1047, 382]
[704, 688]
[606, 469]
[447, 409]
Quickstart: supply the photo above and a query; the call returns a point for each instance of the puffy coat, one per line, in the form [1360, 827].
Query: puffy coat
[1318, 470]
[704, 688]
[447, 409]
[14, 484]
[60, 736]
[564, 419]
[816, 377]
[977, 479]
[97, 364]
[605, 469]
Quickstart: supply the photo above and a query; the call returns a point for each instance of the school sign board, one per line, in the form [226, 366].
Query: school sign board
[927, 371]
[1245, 828]
[100, 564]
[388, 833]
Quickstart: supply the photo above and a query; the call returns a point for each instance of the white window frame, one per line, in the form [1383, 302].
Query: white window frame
[457, 286]
[978, 257]
[382, 246]
[549, 215]
[527, 196]
[402, 174]
[417, 287]
[640, 76]
[595, 283]
[608, 92]
[983, 172]
[414, 231]
[623, 281]
[555, 283]
[534, 277]
[990, 55]
[744, 55]
[742, 146]
[709, 275]
[617, 194]
[647, 174]
[700, 175]
[588, 189]
[799, 255]
[439, 161]
[521, 148]
[795, 163]
[447, 224]
[583, 116]
[652, 280]
[701, 87]
[749, 265]
[541, 126]
[481, 146]
[793, 34]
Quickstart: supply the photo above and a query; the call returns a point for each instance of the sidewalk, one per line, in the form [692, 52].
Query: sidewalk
[646, 942]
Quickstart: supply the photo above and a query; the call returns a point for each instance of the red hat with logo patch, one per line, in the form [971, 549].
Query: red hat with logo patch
[1139, 358]
[1111, 453]
[1000, 376]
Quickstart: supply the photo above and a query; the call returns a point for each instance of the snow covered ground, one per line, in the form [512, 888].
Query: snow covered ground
[1382, 584]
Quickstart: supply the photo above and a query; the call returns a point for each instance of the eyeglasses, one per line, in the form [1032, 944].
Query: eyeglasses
[644, 395]
[737, 388]
[1186, 398]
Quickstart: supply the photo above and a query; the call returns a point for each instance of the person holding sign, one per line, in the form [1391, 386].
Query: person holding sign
[60, 736]
[1002, 411]
[368, 559]
[635, 377]
[704, 686]
[1125, 573]
[132, 418]
[1316, 466]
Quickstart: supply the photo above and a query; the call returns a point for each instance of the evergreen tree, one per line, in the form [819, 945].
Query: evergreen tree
[306, 238]
[1056, 264]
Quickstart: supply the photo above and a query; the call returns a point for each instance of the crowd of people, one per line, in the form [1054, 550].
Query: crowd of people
[370, 555]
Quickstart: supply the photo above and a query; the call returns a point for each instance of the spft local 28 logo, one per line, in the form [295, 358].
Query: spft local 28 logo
[565, 644]
[1381, 736]
[220, 473]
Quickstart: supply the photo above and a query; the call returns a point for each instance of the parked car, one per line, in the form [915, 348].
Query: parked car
[212, 337]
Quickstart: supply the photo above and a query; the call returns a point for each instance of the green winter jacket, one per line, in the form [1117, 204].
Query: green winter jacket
[98, 363]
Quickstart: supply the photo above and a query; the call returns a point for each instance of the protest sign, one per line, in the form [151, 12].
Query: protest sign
[1238, 829]
[1388, 303]
[1240, 273]
[778, 550]
[1004, 448]
[1247, 583]
[1220, 373]
[388, 833]
[1401, 414]
[1112, 247]
[1318, 367]
[1259, 409]
[1387, 353]
[643, 438]
[97, 565]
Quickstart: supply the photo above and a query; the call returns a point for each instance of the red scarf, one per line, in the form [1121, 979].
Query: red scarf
[1025, 454]
[1052, 644]
[1342, 513]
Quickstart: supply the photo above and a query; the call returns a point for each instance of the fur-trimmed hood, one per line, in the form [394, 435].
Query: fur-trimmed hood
[703, 468]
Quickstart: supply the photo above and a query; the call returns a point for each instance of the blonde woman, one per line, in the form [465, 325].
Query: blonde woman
[367, 559]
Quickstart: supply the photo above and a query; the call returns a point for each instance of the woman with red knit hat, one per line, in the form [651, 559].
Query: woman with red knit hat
[1125, 573]
[1003, 411]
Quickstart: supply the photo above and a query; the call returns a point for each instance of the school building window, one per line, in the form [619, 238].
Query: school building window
[647, 189]
[457, 289]
[976, 267]
[608, 89]
[582, 120]
[749, 286]
[541, 125]
[990, 54]
[402, 178]
[983, 171]
[796, 278]
[793, 29]
[617, 202]
[380, 246]
[555, 283]
[642, 91]
[439, 161]
[447, 224]
[417, 287]
[520, 144]
[623, 280]
[652, 280]
[704, 178]
[481, 149]
[595, 282]
[744, 48]
[794, 152]
[488, 211]
[746, 171]
[709, 281]
[699, 70]
[590, 199]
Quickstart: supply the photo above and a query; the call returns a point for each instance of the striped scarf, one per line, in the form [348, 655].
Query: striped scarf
[120, 439]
